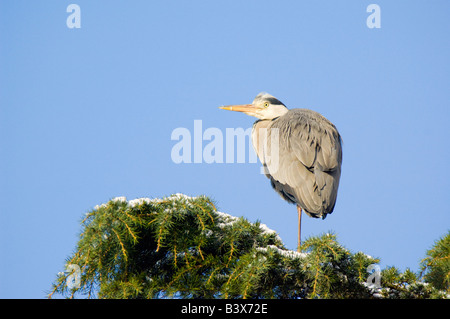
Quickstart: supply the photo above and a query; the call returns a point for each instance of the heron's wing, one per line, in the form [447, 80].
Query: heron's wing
[313, 139]
[307, 167]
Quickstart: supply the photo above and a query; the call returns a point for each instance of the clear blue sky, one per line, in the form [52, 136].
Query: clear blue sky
[87, 115]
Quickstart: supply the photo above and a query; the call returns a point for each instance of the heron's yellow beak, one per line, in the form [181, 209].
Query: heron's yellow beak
[246, 108]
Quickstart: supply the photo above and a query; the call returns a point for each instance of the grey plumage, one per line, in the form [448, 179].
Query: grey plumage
[309, 160]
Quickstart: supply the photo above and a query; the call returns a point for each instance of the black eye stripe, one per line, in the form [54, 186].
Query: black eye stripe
[273, 101]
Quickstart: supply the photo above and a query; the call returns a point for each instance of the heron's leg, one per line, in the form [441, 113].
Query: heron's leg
[299, 211]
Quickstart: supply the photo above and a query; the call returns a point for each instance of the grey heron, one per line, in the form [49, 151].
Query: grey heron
[301, 152]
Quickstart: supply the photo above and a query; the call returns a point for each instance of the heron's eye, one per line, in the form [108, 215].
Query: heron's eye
[266, 104]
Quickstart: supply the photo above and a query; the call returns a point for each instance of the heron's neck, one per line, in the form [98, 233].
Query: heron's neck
[274, 111]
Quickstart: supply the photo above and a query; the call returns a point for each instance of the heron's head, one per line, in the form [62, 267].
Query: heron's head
[264, 107]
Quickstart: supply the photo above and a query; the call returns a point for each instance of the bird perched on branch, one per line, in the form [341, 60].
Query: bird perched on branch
[301, 152]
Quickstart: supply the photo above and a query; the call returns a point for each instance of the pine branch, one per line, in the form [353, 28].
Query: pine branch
[182, 246]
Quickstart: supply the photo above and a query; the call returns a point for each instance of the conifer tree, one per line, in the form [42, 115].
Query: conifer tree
[182, 247]
[436, 266]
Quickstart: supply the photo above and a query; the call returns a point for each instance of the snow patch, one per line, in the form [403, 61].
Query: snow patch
[139, 201]
[225, 220]
[284, 252]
